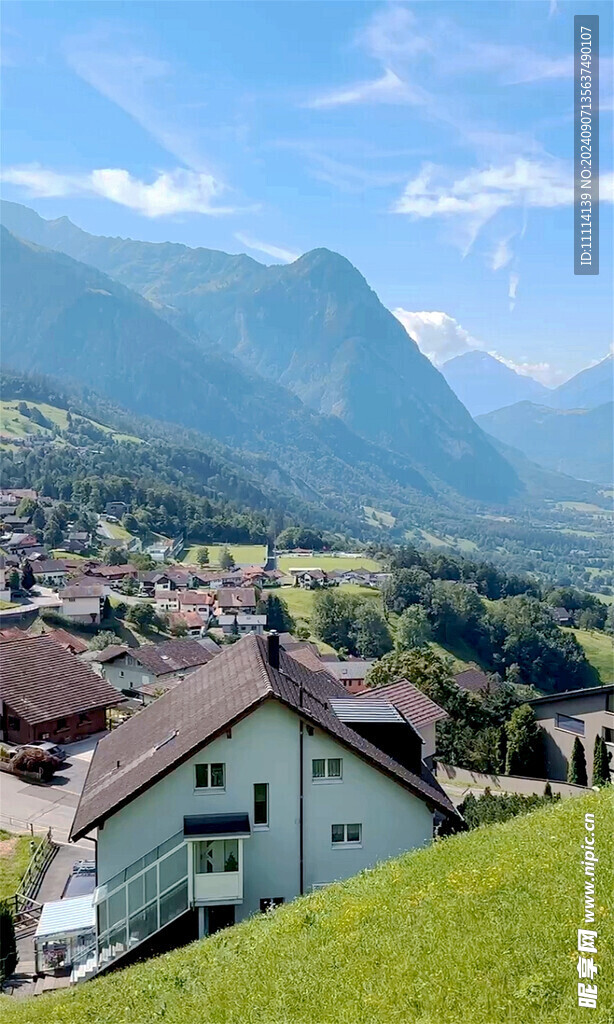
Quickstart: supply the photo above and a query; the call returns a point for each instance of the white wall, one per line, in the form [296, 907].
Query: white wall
[265, 748]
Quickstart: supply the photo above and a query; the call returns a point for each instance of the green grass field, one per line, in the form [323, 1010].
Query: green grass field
[300, 605]
[12, 422]
[15, 856]
[599, 649]
[378, 517]
[243, 554]
[477, 929]
[117, 531]
[326, 562]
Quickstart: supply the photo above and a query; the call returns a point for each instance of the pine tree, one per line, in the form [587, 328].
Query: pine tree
[601, 762]
[576, 771]
[525, 749]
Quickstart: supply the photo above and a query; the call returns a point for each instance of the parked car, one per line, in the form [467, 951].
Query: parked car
[49, 748]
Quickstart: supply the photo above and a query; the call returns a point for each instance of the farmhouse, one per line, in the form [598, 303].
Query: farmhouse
[235, 600]
[48, 694]
[266, 793]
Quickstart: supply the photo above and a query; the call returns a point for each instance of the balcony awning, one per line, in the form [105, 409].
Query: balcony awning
[217, 826]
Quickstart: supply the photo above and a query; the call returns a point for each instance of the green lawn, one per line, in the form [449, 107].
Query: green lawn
[14, 423]
[15, 856]
[115, 530]
[326, 562]
[477, 929]
[599, 649]
[243, 554]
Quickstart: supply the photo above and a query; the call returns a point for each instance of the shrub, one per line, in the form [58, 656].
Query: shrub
[33, 759]
[601, 762]
[490, 808]
[576, 770]
[8, 944]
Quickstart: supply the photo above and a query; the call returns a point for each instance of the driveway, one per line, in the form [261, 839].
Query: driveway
[50, 805]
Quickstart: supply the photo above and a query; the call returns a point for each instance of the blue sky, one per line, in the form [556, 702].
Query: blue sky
[430, 143]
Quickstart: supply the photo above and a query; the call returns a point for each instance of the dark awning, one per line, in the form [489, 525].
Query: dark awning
[208, 825]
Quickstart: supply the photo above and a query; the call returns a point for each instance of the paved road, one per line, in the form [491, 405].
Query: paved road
[50, 805]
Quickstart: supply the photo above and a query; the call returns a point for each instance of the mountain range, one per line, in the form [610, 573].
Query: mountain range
[284, 359]
[484, 383]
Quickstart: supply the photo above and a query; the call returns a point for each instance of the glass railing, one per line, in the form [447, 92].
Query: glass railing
[143, 898]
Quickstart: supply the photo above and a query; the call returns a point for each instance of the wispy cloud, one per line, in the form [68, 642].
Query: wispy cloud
[276, 251]
[476, 197]
[388, 88]
[171, 192]
[544, 372]
[512, 289]
[502, 254]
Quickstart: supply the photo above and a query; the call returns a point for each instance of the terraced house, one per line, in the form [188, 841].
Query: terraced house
[254, 781]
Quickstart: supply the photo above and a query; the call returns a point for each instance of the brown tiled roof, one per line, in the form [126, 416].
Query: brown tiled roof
[192, 596]
[167, 732]
[67, 640]
[236, 597]
[111, 651]
[474, 680]
[419, 709]
[112, 571]
[170, 656]
[41, 681]
[12, 633]
[190, 619]
[83, 590]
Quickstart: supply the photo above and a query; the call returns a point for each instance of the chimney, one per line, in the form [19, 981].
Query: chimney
[273, 648]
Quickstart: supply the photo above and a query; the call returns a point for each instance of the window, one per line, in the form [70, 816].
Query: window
[61, 723]
[346, 834]
[575, 725]
[609, 702]
[261, 803]
[210, 776]
[326, 768]
[13, 723]
[608, 735]
[216, 856]
[270, 902]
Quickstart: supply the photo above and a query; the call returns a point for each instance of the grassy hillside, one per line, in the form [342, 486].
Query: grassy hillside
[599, 649]
[15, 424]
[15, 854]
[480, 928]
[300, 605]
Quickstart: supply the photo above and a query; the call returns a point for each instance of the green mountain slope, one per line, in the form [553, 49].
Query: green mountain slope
[484, 383]
[478, 929]
[64, 318]
[573, 441]
[315, 327]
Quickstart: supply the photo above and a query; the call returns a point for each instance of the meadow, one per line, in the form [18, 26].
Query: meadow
[480, 928]
[326, 562]
[243, 554]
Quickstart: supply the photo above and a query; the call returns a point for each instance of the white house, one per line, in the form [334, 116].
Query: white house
[82, 603]
[152, 668]
[51, 571]
[240, 789]
[242, 624]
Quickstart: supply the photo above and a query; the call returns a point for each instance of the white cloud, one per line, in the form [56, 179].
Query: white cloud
[502, 254]
[276, 251]
[438, 336]
[171, 192]
[512, 289]
[545, 373]
[389, 88]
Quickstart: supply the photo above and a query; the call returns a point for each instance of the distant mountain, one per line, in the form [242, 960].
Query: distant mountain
[484, 383]
[588, 389]
[314, 327]
[573, 441]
